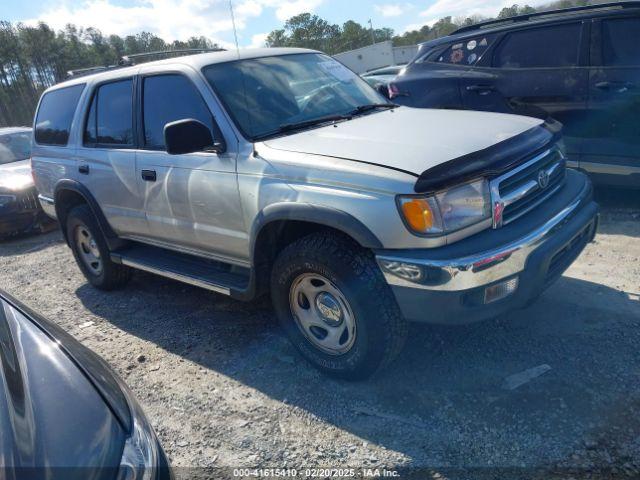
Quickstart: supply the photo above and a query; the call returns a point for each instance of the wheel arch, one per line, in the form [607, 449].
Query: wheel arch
[278, 225]
[70, 193]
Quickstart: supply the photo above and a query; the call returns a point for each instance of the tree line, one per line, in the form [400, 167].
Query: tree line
[311, 31]
[32, 58]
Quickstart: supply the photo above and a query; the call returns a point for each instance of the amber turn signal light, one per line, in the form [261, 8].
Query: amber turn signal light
[418, 214]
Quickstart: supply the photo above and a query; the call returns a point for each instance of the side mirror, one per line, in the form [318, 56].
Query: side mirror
[382, 89]
[189, 136]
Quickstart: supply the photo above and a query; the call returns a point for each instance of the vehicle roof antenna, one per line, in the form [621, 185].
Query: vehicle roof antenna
[235, 33]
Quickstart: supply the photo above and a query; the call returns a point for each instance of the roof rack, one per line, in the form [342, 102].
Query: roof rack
[129, 60]
[81, 72]
[531, 16]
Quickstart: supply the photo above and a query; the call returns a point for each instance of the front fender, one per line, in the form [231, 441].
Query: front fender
[322, 215]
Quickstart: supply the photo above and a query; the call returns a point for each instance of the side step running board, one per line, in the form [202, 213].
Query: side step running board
[197, 271]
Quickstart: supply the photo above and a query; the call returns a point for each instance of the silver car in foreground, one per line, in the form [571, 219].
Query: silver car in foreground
[281, 171]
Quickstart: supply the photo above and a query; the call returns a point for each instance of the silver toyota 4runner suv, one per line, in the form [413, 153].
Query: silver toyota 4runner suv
[281, 171]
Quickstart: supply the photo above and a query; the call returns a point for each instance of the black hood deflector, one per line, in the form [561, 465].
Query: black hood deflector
[491, 161]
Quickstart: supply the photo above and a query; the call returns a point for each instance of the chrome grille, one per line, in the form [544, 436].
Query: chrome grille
[526, 186]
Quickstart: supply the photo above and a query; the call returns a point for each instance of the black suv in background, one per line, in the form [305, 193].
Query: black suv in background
[580, 66]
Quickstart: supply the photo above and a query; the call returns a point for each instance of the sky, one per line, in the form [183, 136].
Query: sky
[181, 19]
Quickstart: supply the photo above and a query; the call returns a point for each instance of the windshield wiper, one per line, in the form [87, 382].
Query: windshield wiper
[314, 121]
[286, 127]
[372, 106]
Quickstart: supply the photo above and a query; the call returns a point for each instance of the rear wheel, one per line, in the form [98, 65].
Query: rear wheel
[91, 252]
[335, 306]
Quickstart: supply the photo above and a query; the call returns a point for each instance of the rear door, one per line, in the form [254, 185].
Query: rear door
[612, 149]
[191, 201]
[106, 157]
[536, 71]
[431, 80]
[53, 150]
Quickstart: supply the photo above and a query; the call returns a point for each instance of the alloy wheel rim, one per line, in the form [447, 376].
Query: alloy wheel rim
[88, 250]
[322, 313]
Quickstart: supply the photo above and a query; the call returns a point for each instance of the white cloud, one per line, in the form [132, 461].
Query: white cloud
[466, 8]
[258, 40]
[250, 8]
[391, 9]
[287, 9]
[170, 19]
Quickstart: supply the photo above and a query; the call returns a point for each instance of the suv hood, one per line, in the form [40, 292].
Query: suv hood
[408, 139]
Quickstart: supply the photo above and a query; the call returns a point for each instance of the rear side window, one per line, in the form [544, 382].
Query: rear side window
[167, 98]
[110, 118]
[465, 52]
[618, 47]
[55, 115]
[555, 46]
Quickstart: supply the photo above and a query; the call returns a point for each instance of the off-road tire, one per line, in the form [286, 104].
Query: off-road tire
[381, 330]
[113, 275]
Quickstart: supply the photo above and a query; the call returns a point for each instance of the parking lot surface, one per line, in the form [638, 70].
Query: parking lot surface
[553, 387]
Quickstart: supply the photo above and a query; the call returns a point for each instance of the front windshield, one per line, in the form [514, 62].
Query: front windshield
[263, 94]
[14, 147]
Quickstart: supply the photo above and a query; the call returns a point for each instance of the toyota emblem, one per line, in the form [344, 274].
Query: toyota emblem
[543, 178]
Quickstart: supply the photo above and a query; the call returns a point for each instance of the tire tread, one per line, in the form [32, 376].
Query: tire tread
[115, 276]
[342, 249]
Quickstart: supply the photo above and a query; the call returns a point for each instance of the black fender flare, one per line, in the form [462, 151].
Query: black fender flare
[321, 215]
[74, 186]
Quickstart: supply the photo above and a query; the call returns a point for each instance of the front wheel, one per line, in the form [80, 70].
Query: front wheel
[335, 306]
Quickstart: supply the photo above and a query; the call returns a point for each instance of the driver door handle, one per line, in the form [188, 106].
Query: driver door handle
[619, 86]
[481, 89]
[149, 175]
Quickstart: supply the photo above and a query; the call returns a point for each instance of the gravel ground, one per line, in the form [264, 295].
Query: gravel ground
[223, 388]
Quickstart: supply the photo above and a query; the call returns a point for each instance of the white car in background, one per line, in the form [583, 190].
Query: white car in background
[381, 76]
[20, 211]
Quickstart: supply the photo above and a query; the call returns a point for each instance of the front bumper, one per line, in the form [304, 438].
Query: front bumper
[23, 214]
[534, 250]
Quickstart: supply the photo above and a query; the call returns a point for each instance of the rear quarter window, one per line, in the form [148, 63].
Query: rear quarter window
[53, 121]
[463, 52]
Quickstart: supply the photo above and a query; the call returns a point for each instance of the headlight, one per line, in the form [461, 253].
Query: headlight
[6, 200]
[140, 456]
[447, 211]
[16, 182]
